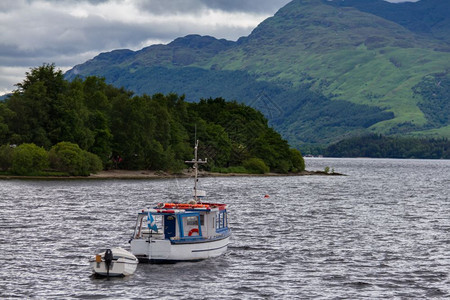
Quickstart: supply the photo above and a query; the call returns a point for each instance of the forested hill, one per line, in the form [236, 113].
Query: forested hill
[137, 132]
[378, 146]
[319, 70]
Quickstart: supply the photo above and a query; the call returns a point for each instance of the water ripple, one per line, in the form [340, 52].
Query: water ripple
[379, 233]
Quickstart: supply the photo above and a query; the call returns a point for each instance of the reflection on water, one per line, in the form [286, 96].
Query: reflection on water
[380, 232]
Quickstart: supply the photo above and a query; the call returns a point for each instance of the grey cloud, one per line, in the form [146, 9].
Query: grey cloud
[62, 33]
[256, 6]
[54, 31]
[32, 33]
[184, 6]
[68, 1]
[170, 6]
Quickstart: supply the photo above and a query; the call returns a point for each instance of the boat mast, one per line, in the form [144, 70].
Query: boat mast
[196, 162]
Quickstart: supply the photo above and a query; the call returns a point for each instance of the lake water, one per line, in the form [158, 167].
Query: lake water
[383, 231]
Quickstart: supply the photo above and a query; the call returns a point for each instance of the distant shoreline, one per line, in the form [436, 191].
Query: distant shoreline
[145, 174]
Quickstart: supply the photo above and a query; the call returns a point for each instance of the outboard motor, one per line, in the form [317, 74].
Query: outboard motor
[108, 260]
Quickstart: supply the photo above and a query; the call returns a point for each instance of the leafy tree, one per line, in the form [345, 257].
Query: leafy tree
[94, 91]
[256, 165]
[29, 159]
[71, 117]
[70, 158]
[271, 148]
[47, 110]
[133, 129]
[98, 106]
[34, 105]
[102, 135]
[298, 163]
[215, 143]
[94, 162]
[5, 114]
[52, 80]
[6, 157]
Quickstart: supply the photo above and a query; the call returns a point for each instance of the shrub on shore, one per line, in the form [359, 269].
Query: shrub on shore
[256, 166]
[29, 159]
[63, 159]
[69, 157]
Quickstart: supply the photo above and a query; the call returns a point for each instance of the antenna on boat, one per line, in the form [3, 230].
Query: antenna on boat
[196, 162]
[195, 135]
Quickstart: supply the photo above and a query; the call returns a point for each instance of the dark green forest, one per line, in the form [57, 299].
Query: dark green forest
[379, 146]
[434, 90]
[127, 131]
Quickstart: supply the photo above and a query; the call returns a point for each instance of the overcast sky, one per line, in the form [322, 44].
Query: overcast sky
[69, 32]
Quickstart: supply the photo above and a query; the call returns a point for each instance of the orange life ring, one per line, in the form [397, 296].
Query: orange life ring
[192, 231]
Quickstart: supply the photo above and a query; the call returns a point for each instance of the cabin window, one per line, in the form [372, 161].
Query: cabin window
[142, 228]
[159, 221]
[221, 220]
[193, 221]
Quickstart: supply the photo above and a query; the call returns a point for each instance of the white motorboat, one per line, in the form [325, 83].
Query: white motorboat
[114, 262]
[172, 232]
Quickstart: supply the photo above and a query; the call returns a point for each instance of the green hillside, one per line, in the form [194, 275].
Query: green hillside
[426, 17]
[319, 70]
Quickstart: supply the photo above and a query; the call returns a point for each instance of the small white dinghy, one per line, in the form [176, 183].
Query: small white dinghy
[114, 262]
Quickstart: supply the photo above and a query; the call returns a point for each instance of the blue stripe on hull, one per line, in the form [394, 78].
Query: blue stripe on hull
[210, 249]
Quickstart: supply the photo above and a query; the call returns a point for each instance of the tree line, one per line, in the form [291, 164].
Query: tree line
[379, 146]
[128, 131]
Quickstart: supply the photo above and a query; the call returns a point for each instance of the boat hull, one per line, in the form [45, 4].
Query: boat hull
[123, 263]
[117, 268]
[166, 251]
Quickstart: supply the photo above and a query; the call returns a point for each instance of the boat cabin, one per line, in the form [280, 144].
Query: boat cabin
[182, 222]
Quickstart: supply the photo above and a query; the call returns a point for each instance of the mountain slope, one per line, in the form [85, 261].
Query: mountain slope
[426, 17]
[320, 71]
[344, 54]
